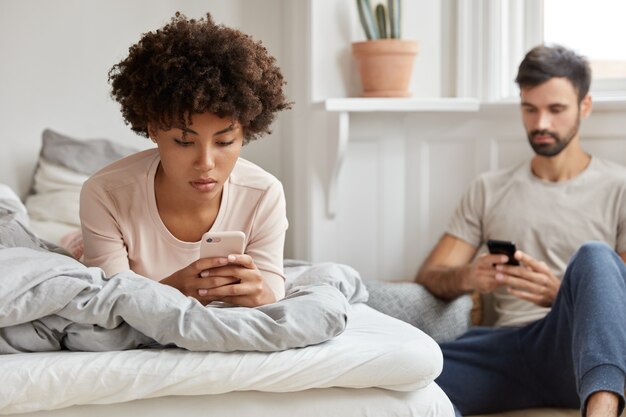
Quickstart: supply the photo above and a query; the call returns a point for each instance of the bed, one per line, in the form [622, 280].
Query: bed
[377, 366]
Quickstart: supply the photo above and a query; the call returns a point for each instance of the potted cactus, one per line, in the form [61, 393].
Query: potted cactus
[385, 61]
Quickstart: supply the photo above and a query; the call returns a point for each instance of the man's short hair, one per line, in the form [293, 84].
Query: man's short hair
[545, 62]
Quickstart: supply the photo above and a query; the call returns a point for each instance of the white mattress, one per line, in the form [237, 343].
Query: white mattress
[374, 351]
[325, 402]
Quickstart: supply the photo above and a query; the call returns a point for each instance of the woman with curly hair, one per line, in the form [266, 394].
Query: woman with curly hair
[199, 91]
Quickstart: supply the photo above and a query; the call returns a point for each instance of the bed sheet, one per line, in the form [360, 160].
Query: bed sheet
[374, 351]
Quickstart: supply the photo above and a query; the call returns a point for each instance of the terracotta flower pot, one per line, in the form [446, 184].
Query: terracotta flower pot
[385, 66]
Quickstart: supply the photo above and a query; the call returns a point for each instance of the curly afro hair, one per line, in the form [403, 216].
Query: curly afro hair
[194, 66]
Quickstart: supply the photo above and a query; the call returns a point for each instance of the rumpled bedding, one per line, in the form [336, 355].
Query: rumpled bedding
[49, 301]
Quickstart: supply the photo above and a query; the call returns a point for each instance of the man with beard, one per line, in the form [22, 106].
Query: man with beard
[560, 338]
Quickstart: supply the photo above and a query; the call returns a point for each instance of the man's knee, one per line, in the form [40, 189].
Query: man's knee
[591, 252]
[595, 263]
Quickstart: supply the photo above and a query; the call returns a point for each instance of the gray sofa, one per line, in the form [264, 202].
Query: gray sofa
[414, 304]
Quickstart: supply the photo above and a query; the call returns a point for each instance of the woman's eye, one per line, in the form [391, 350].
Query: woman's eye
[183, 142]
[225, 142]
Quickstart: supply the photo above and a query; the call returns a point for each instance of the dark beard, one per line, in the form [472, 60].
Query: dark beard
[550, 150]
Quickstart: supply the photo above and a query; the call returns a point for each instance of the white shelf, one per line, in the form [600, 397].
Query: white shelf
[338, 123]
[446, 104]
[371, 104]
[599, 103]
[608, 103]
[339, 110]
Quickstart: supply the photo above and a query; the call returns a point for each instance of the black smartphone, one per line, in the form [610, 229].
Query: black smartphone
[503, 247]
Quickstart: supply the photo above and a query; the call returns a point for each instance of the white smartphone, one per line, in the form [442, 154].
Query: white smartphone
[222, 244]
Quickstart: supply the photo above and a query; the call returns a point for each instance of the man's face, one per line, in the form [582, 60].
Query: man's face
[551, 115]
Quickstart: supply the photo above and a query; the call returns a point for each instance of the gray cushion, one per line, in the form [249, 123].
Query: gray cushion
[82, 156]
[414, 304]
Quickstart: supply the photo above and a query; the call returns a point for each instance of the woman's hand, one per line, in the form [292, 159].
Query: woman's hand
[532, 281]
[246, 286]
[235, 280]
[189, 280]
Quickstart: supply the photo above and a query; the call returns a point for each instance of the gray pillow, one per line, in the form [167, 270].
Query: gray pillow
[82, 156]
[64, 164]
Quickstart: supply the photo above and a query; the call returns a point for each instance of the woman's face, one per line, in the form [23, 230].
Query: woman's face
[197, 159]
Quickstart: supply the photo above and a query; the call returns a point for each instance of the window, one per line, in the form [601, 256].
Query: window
[594, 29]
[494, 35]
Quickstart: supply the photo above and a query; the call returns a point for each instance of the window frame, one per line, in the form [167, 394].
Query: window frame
[492, 38]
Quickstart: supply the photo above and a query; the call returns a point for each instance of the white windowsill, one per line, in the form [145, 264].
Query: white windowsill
[445, 104]
[360, 104]
[609, 102]
[600, 103]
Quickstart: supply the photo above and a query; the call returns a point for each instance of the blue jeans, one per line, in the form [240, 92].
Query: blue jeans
[577, 349]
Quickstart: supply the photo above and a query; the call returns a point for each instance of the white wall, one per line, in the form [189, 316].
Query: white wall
[404, 174]
[56, 55]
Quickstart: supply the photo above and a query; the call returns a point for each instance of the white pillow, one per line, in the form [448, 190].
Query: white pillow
[51, 178]
[56, 206]
[64, 164]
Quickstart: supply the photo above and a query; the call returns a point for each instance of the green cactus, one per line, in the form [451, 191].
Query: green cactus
[394, 10]
[367, 20]
[381, 20]
[375, 23]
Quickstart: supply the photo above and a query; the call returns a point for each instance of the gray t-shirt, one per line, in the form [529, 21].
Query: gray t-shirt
[547, 220]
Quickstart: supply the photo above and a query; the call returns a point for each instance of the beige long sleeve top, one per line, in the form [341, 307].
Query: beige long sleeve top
[122, 228]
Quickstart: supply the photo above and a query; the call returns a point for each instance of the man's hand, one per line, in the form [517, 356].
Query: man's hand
[481, 276]
[532, 281]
